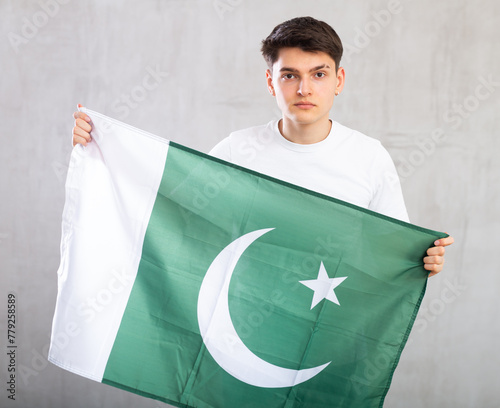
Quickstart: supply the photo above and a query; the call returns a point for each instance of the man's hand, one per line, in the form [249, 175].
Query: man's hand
[434, 260]
[81, 131]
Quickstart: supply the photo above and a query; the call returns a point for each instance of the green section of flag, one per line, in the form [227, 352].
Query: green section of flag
[203, 205]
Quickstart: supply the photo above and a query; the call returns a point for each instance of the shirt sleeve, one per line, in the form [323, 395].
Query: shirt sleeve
[388, 198]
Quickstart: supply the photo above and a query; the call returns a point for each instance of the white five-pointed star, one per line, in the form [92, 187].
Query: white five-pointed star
[323, 287]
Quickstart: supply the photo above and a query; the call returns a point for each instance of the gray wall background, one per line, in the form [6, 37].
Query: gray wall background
[422, 76]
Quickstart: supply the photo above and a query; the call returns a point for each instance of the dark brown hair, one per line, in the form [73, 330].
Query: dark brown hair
[305, 33]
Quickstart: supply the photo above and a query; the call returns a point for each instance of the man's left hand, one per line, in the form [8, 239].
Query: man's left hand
[434, 260]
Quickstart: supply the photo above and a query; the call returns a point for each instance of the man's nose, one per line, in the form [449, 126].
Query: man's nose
[304, 88]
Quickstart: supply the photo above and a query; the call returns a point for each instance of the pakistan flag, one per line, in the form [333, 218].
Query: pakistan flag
[202, 284]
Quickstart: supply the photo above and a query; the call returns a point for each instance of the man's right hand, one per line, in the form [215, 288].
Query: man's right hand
[81, 131]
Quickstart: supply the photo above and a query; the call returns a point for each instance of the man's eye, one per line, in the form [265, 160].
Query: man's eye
[320, 74]
[288, 76]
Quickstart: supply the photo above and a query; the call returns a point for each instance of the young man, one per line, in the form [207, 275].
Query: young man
[305, 147]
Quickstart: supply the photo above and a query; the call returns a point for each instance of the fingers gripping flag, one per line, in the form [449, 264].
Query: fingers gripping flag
[202, 284]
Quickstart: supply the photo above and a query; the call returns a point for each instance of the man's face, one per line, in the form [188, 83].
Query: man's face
[304, 84]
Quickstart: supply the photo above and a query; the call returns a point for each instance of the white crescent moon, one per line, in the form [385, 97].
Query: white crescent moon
[219, 334]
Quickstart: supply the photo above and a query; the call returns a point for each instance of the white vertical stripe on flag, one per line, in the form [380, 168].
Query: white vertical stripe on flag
[111, 188]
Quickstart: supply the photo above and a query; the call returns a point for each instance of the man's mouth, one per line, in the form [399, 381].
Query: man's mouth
[305, 105]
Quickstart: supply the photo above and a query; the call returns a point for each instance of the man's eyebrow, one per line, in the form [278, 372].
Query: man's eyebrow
[289, 69]
[319, 67]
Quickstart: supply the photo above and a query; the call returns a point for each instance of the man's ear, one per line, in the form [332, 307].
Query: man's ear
[340, 80]
[269, 78]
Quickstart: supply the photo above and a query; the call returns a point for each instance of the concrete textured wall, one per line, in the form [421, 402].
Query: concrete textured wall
[422, 76]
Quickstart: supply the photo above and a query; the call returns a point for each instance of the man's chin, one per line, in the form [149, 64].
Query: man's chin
[304, 119]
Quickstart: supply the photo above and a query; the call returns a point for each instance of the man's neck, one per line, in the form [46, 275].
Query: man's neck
[305, 134]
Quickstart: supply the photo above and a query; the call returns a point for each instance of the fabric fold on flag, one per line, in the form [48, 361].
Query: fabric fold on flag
[202, 284]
